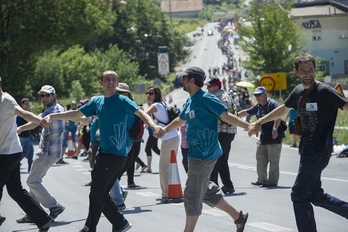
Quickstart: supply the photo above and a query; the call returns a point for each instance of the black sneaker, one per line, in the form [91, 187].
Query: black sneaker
[24, 219]
[126, 226]
[47, 226]
[256, 183]
[56, 210]
[226, 189]
[121, 207]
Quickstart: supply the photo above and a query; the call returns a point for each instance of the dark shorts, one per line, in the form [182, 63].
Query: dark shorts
[292, 128]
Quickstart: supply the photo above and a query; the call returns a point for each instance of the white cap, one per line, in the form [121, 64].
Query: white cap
[47, 89]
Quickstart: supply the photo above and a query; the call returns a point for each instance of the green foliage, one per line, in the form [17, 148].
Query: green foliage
[272, 42]
[76, 91]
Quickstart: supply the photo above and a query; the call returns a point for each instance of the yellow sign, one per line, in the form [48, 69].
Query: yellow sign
[268, 83]
[279, 79]
[338, 88]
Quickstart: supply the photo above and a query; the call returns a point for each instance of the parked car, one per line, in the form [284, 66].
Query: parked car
[210, 32]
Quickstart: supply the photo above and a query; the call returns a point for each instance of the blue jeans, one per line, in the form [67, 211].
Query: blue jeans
[117, 193]
[34, 181]
[28, 149]
[307, 191]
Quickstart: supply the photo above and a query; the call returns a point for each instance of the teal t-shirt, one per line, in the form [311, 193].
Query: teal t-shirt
[112, 113]
[201, 113]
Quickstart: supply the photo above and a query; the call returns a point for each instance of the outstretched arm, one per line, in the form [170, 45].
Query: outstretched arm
[272, 116]
[73, 115]
[233, 119]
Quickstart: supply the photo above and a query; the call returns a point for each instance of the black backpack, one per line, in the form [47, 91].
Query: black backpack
[137, 131]
[172, 111]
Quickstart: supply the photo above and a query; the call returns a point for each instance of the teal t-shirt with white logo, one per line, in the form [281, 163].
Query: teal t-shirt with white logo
[201, 113]
[112, 113]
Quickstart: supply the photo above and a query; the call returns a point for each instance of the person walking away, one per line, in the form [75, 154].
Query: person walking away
[50, 151]
[112, 148]
[201, 113]
[226, 134]
[169, 142]
[317, 104]
[26, 137]
[10, 157]
[269, 146]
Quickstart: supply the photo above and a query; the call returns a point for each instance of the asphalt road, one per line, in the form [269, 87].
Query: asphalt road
[270, 210]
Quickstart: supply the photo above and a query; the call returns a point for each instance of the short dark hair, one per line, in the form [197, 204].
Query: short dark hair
[302, 59]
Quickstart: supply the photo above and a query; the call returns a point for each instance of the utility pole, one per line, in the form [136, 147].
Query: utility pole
[170, 11]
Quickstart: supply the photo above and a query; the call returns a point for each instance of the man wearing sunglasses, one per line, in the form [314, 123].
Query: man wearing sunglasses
[201, 112]
[50, 151]
[269, 145]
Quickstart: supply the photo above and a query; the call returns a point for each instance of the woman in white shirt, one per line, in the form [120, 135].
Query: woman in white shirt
[157, 109]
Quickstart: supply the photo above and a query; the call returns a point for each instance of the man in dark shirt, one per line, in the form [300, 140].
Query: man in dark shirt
[317, 105]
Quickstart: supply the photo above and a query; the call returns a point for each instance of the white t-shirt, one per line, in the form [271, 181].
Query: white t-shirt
[162, 115]
[9, 140]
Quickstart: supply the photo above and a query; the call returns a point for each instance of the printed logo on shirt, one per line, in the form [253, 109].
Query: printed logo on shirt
[192, 114]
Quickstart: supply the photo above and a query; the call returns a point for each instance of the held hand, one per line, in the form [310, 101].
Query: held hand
[46, 121]
[158, 132]
[253, 128]
[19, 130]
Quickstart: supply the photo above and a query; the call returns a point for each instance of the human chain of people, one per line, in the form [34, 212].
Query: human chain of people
[209, 120]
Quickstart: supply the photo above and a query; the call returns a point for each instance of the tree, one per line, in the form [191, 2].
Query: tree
[273, 40]
[140, 29]
[29, 28]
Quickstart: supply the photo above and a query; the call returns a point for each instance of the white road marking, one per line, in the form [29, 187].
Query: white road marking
[269, 227]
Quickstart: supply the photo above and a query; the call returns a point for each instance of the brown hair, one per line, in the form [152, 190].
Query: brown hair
[302, 59]
[157, 91]
[107, 72]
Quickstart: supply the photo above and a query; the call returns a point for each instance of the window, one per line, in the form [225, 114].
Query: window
[324, 67]
[316, 35]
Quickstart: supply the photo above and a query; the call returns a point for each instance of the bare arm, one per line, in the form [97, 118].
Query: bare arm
[233, 119]
[147, 119]
[276, 114]
[242, 113]
[176, 123]
[27, 115]
[73, 115]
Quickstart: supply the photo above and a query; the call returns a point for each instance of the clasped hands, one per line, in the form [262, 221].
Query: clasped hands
[254, 128]
[158, 132]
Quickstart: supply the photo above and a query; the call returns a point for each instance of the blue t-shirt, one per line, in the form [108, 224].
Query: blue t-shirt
[112, 113]
[94, 126]
[201, 113]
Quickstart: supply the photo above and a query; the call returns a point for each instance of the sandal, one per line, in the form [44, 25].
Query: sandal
[242, 219]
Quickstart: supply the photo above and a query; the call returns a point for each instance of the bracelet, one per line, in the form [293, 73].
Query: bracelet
[275, 129]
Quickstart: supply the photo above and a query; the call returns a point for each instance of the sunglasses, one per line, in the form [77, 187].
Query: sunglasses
[150, 93]
[45, 95]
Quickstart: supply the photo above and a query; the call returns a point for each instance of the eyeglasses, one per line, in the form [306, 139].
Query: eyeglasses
[258, 95]
[45, 95]
[150, 93]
